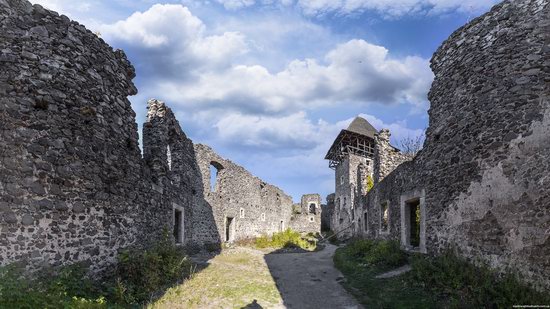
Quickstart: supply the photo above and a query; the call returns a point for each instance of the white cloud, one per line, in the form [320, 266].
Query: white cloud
[354, 72]
[295, 131]
[236, 4]
[172, 41]
[388, 8]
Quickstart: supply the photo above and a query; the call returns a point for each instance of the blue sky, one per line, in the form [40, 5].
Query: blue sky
[270, 83]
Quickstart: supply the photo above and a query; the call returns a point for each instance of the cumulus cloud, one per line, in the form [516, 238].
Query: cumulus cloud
[171, 41]
[353, 72]
[295, 131]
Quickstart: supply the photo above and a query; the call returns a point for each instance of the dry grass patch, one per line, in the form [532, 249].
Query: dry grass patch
[234, 279]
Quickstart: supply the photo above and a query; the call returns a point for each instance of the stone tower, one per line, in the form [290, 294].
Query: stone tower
[352, 157]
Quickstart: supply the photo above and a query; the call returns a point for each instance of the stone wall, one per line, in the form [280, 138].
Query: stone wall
[308, 219]
[327, 213]
[71, 173]
[256, 207]
[386, 157]
[175, 173]
[481, 179]
[73, 184]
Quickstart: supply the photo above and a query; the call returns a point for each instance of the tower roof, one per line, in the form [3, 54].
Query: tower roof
[357, 139]
[361, 126]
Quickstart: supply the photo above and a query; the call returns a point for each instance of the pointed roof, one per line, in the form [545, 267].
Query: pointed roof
[361, 126]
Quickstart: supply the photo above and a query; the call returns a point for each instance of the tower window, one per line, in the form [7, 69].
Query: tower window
[242, 213]
[313, 208]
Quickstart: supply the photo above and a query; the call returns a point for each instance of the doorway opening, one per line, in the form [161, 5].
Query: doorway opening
[412, 211]
[178, 226]
[229, 229]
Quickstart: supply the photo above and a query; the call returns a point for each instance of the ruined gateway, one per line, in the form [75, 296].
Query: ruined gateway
[481, 182]
[73, 183]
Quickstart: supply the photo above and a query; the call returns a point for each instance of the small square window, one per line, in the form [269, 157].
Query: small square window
[311, 219]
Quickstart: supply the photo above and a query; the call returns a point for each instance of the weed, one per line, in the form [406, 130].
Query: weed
[286, 239]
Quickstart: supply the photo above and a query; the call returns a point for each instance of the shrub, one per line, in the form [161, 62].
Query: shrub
[387, 253]
[384, 253]
[470, 285]
[142, 273]
[67, 287]
[286, 239]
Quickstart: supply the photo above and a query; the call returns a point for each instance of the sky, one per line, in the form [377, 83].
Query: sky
[269, 84]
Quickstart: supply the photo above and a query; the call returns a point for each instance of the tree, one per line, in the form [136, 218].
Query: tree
[410, 146]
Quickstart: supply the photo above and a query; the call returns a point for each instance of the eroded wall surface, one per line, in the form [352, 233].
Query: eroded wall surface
[71, 176]
[482, 176]
[308, 218]
[256, 207]
[74, 186]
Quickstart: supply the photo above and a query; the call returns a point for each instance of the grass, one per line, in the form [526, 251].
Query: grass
[445, 281]
[287, 239]
[140, 276]
[361, 261]
[234, 279]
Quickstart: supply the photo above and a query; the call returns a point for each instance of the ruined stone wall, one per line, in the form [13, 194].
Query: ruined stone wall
[327, 213]
[73, 184]
[386, 157]
[482, 176]
[308, 220]
[175, 173]
[71, 173]
[256, 207]
[350, 185]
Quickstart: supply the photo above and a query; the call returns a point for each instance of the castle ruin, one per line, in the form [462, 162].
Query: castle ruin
[74, 185]
[480, 183]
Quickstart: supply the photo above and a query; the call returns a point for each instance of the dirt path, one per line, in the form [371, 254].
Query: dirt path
[253, 279]
[309, 280]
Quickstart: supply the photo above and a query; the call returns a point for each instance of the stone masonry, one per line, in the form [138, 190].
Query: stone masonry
[73, 183]
[480, 184]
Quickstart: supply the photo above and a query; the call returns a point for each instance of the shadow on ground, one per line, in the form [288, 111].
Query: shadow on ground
[309, 279]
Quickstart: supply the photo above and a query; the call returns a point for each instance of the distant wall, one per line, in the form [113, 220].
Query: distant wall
[256, 207]
[482, 177]
[308, 220]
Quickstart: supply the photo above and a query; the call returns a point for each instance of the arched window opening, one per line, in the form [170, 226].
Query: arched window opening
[215, 169]
[313, 208]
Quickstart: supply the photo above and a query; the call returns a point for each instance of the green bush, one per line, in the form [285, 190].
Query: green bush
[67, 287]
[139, 275]
[286, 239]
[385, 253]
[470, 285]
[142, 273]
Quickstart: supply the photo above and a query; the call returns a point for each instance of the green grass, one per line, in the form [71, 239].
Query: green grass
[287, 239]
[445, 281]
[362, 260]
[140, 275]
[233, 279]
[67, 287]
